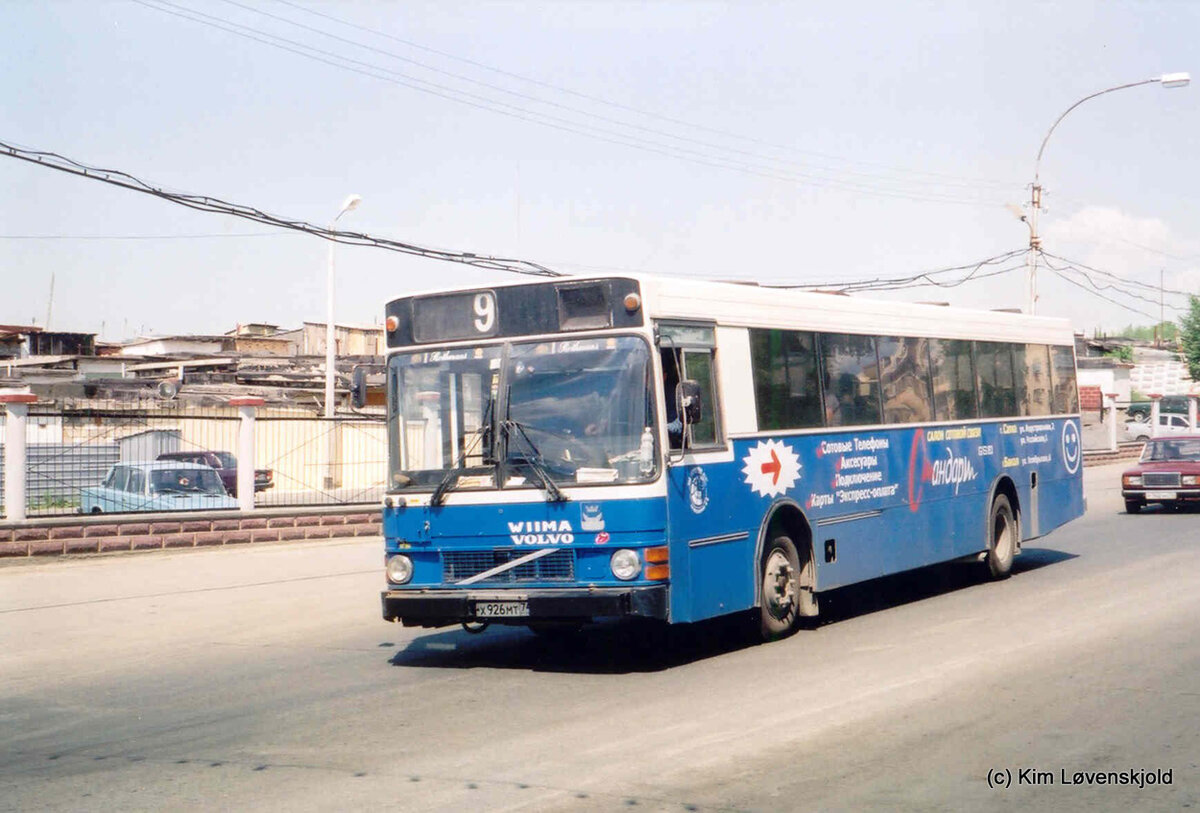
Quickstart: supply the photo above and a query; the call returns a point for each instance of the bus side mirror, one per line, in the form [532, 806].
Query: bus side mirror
[361, 382]
[358, 386]
[689, 401]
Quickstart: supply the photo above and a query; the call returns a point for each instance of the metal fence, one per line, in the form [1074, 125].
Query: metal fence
[300, 457]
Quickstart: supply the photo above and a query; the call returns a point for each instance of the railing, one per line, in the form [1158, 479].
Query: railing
[67, 452]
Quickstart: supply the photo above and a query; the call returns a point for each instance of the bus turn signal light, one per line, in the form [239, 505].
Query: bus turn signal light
[657, 573]
[656, 556]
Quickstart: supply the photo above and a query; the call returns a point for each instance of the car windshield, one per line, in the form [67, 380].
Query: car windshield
[227, 460]
[186, 481]
[1158, 451]
[572, 412]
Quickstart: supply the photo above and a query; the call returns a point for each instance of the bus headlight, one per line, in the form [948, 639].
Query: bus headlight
[399, 569]
[626, 564]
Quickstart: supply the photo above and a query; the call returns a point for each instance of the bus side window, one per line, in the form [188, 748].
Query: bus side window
[698, 367]
[688, 355]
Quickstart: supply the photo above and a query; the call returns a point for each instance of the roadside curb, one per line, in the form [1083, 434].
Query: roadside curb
[1129, 450]
[77, 535]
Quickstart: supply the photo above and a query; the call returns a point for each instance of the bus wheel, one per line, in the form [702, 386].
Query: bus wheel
[1002, 538]
[780, 608]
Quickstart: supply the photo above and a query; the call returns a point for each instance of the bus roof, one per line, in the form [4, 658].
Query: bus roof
[751, 305]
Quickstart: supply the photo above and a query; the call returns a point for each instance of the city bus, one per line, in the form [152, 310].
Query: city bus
[617, 447]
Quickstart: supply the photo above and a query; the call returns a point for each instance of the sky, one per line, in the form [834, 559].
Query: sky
[787, 143]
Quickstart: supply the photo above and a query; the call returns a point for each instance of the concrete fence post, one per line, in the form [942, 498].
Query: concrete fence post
[1110, 402]
[16, 406]
[1155, 411]
[247, 409]
[1192, 412]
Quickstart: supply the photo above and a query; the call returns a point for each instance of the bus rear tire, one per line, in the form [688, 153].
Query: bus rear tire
[1002, 538]
[779, 610]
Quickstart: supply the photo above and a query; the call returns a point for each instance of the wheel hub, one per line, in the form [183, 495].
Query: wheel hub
[779, 582]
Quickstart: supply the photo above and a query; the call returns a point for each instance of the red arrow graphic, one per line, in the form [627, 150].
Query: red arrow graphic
[773, 467]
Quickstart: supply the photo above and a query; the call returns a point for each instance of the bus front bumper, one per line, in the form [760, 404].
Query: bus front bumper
[437, 608]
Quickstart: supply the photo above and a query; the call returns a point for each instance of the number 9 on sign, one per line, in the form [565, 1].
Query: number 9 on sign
[485, 312]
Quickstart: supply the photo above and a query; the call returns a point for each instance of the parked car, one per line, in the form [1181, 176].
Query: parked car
[1174, 404]
[226, 467]
[156, 486]
[1167, 474]
[1167, 425]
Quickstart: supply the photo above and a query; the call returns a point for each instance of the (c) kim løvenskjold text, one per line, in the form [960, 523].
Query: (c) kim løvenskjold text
[1139, 777]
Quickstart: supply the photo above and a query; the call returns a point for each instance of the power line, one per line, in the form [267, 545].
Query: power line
[545, 119]
[205, 203]
[1097, 294]
[623, 106]
[578, 110]
[138, 236]
[921, 279]
[1105, 287]
[1133, 282]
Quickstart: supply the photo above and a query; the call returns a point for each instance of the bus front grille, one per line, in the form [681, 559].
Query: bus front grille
[457, 565]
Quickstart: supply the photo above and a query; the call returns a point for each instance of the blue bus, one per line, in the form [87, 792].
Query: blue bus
[579, 449]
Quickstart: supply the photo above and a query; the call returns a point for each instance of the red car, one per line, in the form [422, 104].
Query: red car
[1168, 473]
[226, 466]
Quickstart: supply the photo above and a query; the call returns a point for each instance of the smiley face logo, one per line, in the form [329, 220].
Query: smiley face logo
[1072, 448]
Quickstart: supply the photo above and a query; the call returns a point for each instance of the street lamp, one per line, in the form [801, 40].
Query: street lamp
[348, 205]
[1167, 80]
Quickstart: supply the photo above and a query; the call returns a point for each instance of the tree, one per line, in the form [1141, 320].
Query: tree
[1122, 353]
[1190, 329]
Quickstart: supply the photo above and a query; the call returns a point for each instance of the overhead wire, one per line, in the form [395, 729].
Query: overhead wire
[769, 170]
[1070, 268]
[216, 235]
[206, 203]
[581, 111]
[912, 280]
[1083, 287]
[1133, 282]
[626, 107]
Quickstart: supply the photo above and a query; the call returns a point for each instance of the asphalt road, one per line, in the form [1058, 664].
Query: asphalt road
[264, 678]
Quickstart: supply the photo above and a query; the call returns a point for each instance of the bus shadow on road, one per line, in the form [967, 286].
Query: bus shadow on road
[926, 582]
[612, 648]
[605, 648]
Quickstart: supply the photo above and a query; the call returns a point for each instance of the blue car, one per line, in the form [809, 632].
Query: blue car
[159, 486]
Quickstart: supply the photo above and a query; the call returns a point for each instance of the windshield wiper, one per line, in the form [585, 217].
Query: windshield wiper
[451, 477]
[553, 492]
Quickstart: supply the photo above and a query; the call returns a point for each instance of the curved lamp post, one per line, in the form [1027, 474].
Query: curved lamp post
[1167, 80]
[348, 205]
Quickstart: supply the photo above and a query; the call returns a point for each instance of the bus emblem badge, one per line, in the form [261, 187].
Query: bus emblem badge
[697, 483]
[591, 517]
[771, 468]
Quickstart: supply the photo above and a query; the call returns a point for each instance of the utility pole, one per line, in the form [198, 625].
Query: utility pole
[1162, 325]
[1167, 80]
[1035, 241]
[50, 302]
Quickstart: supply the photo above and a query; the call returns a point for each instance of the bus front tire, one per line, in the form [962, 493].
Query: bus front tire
[779, 610]
[1002, 538]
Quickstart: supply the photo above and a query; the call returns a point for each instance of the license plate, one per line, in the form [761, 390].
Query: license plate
[1160, 495]
[501, 609]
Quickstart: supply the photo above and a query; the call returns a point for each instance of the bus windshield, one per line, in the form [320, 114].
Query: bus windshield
[571, 412]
